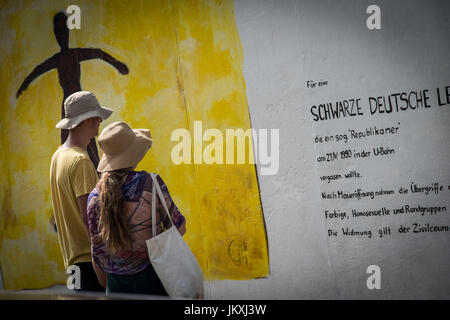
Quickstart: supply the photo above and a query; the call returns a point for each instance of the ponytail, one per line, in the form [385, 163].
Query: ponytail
[113, 226]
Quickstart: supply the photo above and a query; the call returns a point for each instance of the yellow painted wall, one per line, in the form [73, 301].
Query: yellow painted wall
[185, 60]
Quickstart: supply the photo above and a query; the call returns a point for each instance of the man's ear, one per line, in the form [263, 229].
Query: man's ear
[82, 124]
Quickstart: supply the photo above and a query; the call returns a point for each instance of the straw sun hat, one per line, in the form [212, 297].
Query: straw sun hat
[80, 106]
[122, 146]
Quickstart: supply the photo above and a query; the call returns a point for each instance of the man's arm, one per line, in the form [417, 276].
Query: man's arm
[101, 275]
[82, 205]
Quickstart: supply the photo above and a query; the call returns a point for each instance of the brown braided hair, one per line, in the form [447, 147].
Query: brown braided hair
[113, 226]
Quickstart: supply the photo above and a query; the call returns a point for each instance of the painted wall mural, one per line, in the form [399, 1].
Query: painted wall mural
[67, 63]
[175, 62]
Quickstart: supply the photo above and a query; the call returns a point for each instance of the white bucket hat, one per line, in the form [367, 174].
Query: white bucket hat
[122, 146]
[80, 106]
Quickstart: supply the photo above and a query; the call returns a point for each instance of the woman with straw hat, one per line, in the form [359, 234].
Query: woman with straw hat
[119, 213]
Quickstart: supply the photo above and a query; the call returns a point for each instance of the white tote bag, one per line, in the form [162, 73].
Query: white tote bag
[173, 261]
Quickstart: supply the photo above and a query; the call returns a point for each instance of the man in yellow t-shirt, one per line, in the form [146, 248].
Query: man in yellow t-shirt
[72, 177]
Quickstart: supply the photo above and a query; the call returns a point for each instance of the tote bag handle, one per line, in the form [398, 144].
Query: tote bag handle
[163, 201]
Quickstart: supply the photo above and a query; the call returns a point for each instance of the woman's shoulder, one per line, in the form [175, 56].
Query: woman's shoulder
[143, 180]
[96, 191]
[93, 197]
[147, 175]
[147, 178]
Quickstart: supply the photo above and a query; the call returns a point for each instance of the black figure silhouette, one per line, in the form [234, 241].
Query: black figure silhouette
[67, 62]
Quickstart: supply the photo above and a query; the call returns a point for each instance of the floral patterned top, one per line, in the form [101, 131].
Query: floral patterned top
[137, 191]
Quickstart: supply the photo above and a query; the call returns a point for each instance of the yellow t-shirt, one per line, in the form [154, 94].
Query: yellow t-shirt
[72, 174]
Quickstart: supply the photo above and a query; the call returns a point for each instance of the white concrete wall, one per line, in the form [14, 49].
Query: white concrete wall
[287, 43]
